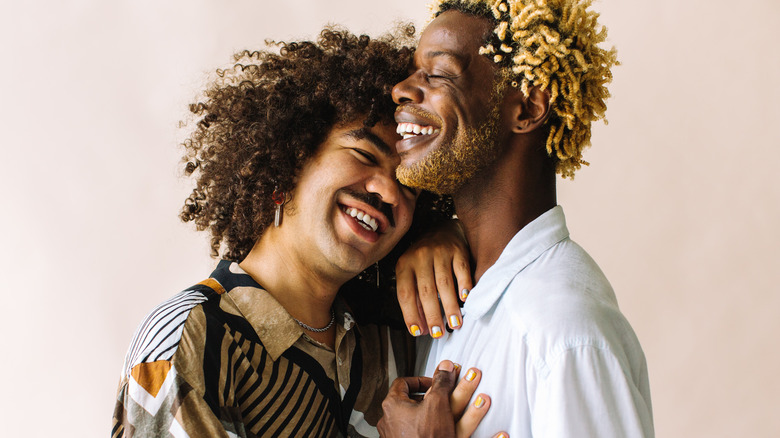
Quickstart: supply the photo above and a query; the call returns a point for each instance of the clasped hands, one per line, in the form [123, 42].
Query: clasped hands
[444, 410]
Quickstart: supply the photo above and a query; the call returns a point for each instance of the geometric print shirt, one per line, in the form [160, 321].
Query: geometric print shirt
[224, 359]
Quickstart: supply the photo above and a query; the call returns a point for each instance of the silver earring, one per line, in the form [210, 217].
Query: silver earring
[278, 198]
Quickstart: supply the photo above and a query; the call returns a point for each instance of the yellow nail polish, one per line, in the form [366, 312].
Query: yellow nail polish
[464, 293]
[436, 331]
[454, 321]
[415, 330]
[457, 367]
[501, 435]
[479, 402]
[471, 375]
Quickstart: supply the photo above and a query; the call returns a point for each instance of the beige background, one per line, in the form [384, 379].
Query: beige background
[680, 206]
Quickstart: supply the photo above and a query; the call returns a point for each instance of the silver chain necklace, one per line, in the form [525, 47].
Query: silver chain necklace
[317, 330]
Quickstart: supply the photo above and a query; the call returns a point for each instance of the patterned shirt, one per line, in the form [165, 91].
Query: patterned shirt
[225, 359]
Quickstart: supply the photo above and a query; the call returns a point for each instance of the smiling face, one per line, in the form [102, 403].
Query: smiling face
[348, 200]
[448, 114]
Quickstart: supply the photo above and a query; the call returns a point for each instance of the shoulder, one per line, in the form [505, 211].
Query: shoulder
[563, 282]
[159, 334]
[563, 300]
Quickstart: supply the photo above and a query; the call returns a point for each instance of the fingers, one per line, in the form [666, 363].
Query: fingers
[475, 412]
[446, 288]
[434, 274]
[445, 378]
[462, 269]
[466, 387]
[406, 289]
[404, 386]
[429, 298]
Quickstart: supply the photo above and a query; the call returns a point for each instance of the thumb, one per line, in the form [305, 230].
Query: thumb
[445, 378]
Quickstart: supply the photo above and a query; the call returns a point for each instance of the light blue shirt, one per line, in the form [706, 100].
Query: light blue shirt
[558, 359]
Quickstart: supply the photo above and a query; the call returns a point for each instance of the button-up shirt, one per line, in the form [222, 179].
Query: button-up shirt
[224, 359]
[558, 358]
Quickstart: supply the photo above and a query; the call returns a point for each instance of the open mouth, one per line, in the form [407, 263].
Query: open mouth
[362, 218]
[409, 130]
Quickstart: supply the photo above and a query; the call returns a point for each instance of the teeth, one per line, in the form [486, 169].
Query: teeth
[407, 130]
[364, 219]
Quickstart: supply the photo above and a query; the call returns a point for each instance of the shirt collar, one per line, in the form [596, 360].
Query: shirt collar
[275, 327]
[525, 247]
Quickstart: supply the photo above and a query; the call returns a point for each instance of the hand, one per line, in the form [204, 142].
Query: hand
[436, 413]
[424, 274]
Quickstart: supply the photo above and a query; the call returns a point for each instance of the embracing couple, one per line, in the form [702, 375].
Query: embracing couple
[328, 174]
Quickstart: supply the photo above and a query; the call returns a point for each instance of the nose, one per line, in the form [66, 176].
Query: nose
[407, 91]
[386, 187]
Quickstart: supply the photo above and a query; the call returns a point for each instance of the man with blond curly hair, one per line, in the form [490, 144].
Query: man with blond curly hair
[500, 99]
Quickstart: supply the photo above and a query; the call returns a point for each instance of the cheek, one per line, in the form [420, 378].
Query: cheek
[405, 215]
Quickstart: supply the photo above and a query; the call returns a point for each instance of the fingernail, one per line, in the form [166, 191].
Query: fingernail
[457, 366]
[479, 402]
[502, 435]
[447, 366]
[415, 330]
[436, 331]
[471, 375]
[454, 321]
[464, 293]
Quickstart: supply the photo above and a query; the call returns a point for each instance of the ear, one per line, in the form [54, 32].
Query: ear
[528, 113]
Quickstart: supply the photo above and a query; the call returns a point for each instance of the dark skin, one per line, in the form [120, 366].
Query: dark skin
[453, 83]
[520, 184]
[433, 416]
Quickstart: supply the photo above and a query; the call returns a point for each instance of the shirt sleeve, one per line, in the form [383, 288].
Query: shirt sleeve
[154, 401]
[586, 392]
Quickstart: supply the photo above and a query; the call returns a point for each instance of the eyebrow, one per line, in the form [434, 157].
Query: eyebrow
[365, 134]
[444, 54]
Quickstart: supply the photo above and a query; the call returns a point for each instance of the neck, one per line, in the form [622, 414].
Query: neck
[501, 200]
[303, 290]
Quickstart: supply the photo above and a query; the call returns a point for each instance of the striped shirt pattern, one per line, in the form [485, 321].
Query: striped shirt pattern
[223, 358]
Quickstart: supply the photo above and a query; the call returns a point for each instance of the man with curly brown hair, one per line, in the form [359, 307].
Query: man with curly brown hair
[501, 98]
[295, 181]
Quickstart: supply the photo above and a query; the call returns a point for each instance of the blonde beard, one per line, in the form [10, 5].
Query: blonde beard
[446, 169]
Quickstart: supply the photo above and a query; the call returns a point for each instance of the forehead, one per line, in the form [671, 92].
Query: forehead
[381, 136]
[455, 33]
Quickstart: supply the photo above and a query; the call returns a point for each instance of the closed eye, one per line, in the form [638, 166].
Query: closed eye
[427, 76]
[366, 156]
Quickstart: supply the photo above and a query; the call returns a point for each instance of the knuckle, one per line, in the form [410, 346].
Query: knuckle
[443, 282]
[433, 318]
[404, 292]
[462, 265]
[427, 291]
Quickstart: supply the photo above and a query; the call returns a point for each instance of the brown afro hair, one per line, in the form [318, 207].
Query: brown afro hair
[261, 120]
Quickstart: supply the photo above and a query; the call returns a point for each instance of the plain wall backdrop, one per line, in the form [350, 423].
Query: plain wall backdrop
[680, 205]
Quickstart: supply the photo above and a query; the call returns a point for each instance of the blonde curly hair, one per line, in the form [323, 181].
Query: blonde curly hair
[553, 45]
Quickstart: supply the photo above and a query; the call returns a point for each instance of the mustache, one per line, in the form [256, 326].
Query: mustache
[410, 108]
[374, 201]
